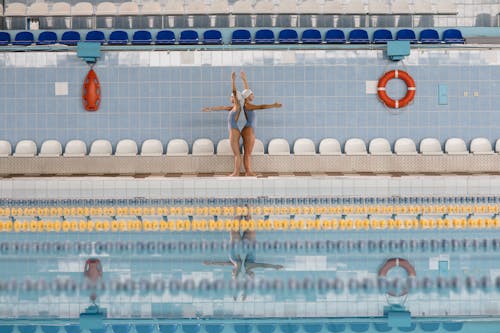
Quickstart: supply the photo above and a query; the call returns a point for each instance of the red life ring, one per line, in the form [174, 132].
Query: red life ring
[397, 262]
[410, 93]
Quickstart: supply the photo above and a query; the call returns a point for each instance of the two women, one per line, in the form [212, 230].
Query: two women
[247, 132]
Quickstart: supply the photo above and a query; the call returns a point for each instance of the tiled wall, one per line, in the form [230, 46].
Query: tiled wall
[325, 93]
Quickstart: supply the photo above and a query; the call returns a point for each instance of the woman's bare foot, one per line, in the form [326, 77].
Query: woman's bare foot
[234, 174]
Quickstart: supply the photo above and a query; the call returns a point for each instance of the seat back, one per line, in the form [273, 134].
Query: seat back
[126, 147]
[481, 146]
[264, 7]
[95, 36]
[24, 38]
[224, 148]
[453, 36]
[142, 37]
[355, 146]
[288, 36]
[70, 37]
[212, 37]
[196, 7]
[47, 37]
[4, 38]
[203, 147]
[358, 36]
[311, 36]
[379, 146]
[128, 8]
[430, 146]
[243, 7]
[151, 8]
[106, 8]
[165, 37]
[381, 36]
[50, 148]
[429, 36]
[118, 37]
[15, 9]
[405, 146]
[329, 146]
[278, 146]
[304, 146]
[335, 36]
[101, 147]
[241, 36]
[5, 148]
[152, 147]
[455, 146]
[25, 148]
[38, 9]
[60, 9]
[406, 34]
[177, 147]
[258, 148]
[264, 36]
[188, 37]
[75, 148]
[82, 9]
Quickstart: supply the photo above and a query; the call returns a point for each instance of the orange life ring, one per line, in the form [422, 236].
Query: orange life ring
[397, 262]
[410, 93]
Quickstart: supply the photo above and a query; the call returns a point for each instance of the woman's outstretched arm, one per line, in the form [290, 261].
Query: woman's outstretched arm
[217, 108]
[250, 106]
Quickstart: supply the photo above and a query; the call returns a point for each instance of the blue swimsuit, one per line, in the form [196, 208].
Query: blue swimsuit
[251, 119]
[232, 121]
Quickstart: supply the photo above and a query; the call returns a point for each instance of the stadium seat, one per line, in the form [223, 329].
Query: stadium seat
[329, 146]
[406, 34]
[288, 36]
[287, 7]
[422, 7]
[405, 146]
[4, 38]
[60, 9]
[38, 9]
[481, 146]
[203, 147]
[50, 148]
[311, 36]
[379, 146]
[258, 148]
[355, 7]
[453, 36]
[118, 37]
[335, 36]
[15, 9]
[400, 7]
[177, 147]
[95, 36]
[278, 147]
[332, 7]
[175, 7]
[150, 8]
[358, 36]
[196, 7]
[24, 38]
[446, 7]
[47, 38]
[142, 37]
[455, 146]
[382, 36]
[264, 7]
[429, 36]
[70, 38]
[5, 148]
[430, 146]
[224, 147]
[152, 147]
[165, 37]
[241, 36]
[75, 148]
[188, 37]
[101, 147]
[377, 7]
[243, 7]
[82, 9]
[25, 148]
[126, 147]
[212, 37]
[219, 7]
[129, 8]
[264, 36]
[355, 146]
[304, 146]
[309, 7]
[497, 146]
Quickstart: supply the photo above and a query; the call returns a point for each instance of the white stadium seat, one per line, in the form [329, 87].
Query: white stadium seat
[50, 148]
[82, 9]
[405, 146]
[355, 146]
[304, 146]
[101, 147]
[203, 147]
[5, 148]
[75, 148]
[25, 148]
[224, 147]
[430, 146]
[481, 146]
[379, 146]
[152, 147]
[330, 146]
[455, 146]
[177, 147]
[278, 147]
[126, 147]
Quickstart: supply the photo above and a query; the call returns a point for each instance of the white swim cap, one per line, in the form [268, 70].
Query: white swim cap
[246, 93]
[238, 96]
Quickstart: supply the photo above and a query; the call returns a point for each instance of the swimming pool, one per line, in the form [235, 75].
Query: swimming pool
[152, 237]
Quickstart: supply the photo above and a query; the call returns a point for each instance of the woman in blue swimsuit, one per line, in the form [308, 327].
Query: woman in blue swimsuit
[232, 123]
[248, 132]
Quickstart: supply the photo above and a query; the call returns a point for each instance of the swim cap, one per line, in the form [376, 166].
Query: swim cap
[238, 95]
[246, 93]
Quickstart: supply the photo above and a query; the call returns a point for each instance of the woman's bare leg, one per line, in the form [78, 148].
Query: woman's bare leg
[248, 142]
[234, 138]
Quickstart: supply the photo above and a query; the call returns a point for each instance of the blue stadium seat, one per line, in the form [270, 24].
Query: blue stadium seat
[4, 38]
[453, 36]
[95, 36]
[241, 36]
[70, 38]
[188, 37]
[406, 35]
[358, 36]
[24, 38]
[212, 37]
[264, 36]
[382, 36]
[429, 36]
[288, 36]
[335, 36]
[47, 38]
[165, 37]
[118, 37]
[142, 37]
[311, 36]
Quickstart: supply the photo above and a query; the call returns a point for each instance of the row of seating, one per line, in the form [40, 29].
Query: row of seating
[277, 146]
[239, 36]
[197, 7]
